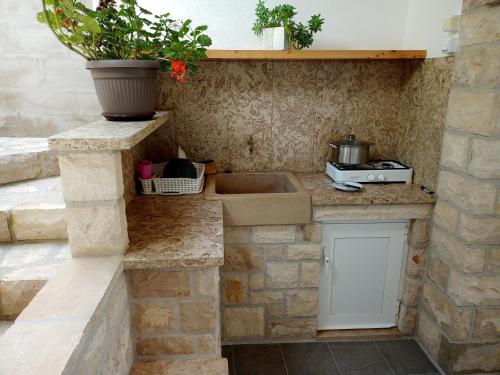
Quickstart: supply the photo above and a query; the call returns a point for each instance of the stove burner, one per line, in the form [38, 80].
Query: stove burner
[374, 164]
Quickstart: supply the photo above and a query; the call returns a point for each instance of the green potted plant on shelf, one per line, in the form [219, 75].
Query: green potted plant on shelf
[125, 45]
[279, 30]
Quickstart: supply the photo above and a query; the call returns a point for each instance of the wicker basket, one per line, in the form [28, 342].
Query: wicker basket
[174, 186]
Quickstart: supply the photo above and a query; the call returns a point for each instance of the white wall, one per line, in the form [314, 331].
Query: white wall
[353, 24]
[423, 25]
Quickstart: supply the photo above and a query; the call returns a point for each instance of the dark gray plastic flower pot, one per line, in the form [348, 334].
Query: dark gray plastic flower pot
[126, 89]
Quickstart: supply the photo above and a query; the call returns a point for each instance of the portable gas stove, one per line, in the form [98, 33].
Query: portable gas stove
[374, 171]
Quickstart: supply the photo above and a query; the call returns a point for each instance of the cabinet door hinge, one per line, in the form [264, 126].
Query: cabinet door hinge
[398, 306]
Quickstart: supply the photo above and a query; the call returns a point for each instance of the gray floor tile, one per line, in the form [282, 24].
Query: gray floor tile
[359, 358]
[309, 359]
[258, 360]
[405, 357]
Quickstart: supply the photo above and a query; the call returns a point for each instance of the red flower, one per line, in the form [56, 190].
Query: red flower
[178, 70]
[58, 11]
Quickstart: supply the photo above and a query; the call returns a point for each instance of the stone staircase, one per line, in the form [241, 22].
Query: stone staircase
[32, 223]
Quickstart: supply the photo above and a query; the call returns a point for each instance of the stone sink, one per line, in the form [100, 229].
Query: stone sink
[260, 198]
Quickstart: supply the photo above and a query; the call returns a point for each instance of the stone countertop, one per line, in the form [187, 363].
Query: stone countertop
[106, 135]
[174, 232]
[323, 193]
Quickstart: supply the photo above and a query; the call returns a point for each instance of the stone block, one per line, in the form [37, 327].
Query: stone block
[209, 344]
[291, 328]
[473, 111]
[419, 231]
[235, 288]
[309, 232]
[243, 322]
[469, 4]
[166, 345]
[445, 215]
[257, 281]
[91, 176]
[263, 297]
[49, 164]
[476, 196]
[248, 258]
[276, 311]
[99, 230]
[438, 271]
[428, 335]
[300, 251]
[411, 291]
[15, 295]
[487, 323]
[467, 258]
[282, 275]
[415, 263]
[309, 274]
[467, 70]
[273, 233]
[491, 63]
[407, 320]
[373, 212]
[464, 358]
[206, 282]
[467, 290]
[45, 221]
[237, 235]
[485, 156]
[302, 303]
[155, 316]
[456, 322]
[158, 284]
[480, 25]
[198, 316]
[494, 260]
[19, 167]
[4, 227]
[479, 230]
[274, 251]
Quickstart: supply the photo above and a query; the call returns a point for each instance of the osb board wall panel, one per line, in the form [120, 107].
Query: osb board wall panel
[281, 115]
[421, 115]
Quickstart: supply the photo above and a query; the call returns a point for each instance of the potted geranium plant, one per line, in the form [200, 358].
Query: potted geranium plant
[124, 46]
[280, 31]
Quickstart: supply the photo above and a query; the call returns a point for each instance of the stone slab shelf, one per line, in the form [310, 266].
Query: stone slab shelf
[316, 54]
[106, 135]
[174, 232]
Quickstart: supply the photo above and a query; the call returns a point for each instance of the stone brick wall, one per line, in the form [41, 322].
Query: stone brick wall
[107, 346]
[176, 313]
[270, 281]
[460, 309]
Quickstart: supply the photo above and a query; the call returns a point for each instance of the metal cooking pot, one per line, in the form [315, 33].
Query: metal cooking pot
[350, 151]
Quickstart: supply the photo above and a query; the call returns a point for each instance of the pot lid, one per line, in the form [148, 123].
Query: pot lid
[350, 141]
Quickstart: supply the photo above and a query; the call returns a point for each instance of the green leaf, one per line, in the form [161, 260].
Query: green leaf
[205, 40]
[91, 24]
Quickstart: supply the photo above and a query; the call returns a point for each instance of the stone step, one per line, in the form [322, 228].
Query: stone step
[32, 210]
[213, 366]
[24, 270]
[26, 158]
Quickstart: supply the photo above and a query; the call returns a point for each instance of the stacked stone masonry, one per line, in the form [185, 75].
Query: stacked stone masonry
[460, 306]
[270, 281]
[176, 313]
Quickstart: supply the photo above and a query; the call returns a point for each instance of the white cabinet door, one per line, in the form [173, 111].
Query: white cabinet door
[360, 275]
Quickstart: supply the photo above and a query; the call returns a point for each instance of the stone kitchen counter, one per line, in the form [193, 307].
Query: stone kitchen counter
[174, 232]
[323, 194]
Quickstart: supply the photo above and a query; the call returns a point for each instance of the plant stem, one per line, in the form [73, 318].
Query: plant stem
[57, 35]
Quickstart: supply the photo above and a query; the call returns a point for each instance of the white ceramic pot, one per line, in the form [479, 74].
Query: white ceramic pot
[275, 38]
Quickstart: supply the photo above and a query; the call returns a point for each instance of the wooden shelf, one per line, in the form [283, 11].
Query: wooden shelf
[315, 54]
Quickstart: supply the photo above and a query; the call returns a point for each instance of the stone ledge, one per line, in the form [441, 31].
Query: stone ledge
[47, 337]
[174, 232]
[107, 135]
[373, 212]
[178, 367]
